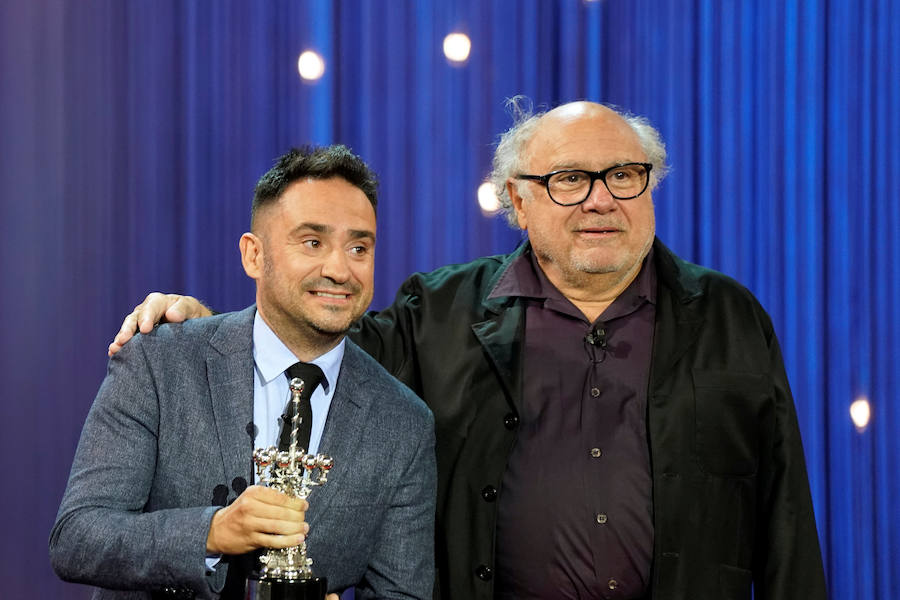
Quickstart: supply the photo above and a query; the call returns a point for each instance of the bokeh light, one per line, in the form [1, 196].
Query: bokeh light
[457, 47]
[861, 413]
[311, 66]
[487, 198]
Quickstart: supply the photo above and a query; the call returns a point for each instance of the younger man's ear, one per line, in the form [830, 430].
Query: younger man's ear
[252, 255]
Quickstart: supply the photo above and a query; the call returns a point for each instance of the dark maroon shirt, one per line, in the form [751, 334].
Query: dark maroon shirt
[575, 514]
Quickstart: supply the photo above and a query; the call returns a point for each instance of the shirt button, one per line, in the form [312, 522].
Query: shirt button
[595, 392]
[612, 583]
[510, 421]
[489, 493]
[601, 518]
[484, 573]
[596, 452]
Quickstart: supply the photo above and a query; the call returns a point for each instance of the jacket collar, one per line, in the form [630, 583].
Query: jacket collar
[678, 318]
[501, 333]
[677, 322]
[680, 276]
[496, 303]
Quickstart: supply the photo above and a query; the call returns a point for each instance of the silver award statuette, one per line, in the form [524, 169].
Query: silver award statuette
[286, 573]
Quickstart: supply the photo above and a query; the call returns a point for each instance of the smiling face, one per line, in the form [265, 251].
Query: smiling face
[603, 239]
[312, 254]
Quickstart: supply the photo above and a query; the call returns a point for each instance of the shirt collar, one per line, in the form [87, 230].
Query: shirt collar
[273, 358]
[519, 279]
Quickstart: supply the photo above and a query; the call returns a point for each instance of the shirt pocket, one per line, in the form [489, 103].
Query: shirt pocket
[732, 411]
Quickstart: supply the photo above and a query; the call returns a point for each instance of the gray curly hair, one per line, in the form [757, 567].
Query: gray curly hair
[508, 155]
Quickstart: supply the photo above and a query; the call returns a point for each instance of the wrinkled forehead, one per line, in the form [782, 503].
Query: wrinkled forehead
[583, 135]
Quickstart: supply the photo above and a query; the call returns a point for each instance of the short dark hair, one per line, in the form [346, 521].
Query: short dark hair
[316, 162]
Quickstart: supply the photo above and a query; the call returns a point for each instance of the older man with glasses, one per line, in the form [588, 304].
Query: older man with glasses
[612, 421]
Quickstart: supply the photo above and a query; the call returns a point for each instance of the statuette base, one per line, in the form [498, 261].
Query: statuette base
[313, 588]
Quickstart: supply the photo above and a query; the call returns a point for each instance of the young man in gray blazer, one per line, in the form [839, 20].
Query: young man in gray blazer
[161, 502]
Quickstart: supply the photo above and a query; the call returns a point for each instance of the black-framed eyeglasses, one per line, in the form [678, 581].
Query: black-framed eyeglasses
[569, 187]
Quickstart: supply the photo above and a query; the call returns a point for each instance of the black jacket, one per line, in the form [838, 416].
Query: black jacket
[731, 497]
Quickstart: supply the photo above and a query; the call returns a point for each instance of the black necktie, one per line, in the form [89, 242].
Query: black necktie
[242, 565]
[312, 376]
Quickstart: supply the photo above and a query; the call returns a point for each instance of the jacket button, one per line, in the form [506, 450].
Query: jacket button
[510, 421]
[489, 493]
[484, 573]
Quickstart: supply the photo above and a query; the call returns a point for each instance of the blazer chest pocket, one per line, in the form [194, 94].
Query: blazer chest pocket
[733, 412]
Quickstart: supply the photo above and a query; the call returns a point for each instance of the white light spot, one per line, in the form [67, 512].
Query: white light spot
[311, 66]
[487, 198]
[457, 47]
[860, 412]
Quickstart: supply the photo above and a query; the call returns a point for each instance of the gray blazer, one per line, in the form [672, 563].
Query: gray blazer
[166, 444]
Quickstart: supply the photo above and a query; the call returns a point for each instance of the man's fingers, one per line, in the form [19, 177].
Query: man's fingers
[259, 517]
[260, 511]
[129, 324]
[126, 332]
[266, 510]
[185, 307]
[151, 310]
[144, 316]
[282, 527]
[155, 308]
[264, 540]
[272, 496]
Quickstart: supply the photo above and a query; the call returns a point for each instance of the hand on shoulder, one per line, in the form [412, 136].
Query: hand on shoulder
[157, 308]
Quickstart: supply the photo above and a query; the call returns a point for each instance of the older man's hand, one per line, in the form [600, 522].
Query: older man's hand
[157, 308]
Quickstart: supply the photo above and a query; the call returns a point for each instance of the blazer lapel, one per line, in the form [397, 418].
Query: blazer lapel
[230, 374]
[344, 428]
[677, 324]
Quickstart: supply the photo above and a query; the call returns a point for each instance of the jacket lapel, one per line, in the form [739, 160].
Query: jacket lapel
[677, 323]
[501, 338]
[229, 370]
[502, 333]
[344, 428]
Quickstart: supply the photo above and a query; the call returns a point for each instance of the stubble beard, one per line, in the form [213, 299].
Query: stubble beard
[302, 325]
[579, 267]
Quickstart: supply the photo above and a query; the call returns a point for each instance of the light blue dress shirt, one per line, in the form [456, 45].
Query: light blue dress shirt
[271, 359]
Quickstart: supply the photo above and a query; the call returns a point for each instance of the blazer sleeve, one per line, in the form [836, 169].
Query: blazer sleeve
[788, 558]
[402, 564]
[102, 535]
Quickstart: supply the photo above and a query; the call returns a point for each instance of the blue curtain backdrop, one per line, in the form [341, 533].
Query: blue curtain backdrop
[131, 134]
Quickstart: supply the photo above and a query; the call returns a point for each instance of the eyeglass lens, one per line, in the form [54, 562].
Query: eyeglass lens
[572, 187]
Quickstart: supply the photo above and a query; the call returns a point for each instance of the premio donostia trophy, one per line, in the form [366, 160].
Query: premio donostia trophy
[286, 573]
